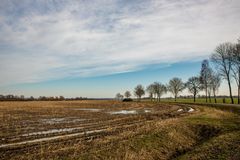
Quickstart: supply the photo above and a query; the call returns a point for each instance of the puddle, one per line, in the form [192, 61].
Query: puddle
[147, 111]
[51, 131]
[76, 120]
[50, 138]
[180, 110]
[190, 110]
[124, 112]
[53, 120]
[130, 111]
[60, 120]
[88, 109]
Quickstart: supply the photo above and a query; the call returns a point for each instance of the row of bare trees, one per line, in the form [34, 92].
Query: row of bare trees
[226, 59]
[127, 94]
[208, 81]
[156, 90]
[195, 84]
[175, 86]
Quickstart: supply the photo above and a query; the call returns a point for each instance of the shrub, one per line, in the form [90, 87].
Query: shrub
[127, 100]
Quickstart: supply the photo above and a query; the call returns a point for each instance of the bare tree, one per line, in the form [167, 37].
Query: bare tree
[139, 91]
[222, 57]
[155, 90]
[205, 77]
[150, 90]
[215, 84]
[127, 94]
[194, 86]
[209, 91]
[119, 96]
[176, 86]
[210, 88]
[236, 67]
[159, 90]
[61, 98]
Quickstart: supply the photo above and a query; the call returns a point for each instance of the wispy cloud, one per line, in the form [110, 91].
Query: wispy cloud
[43, 40]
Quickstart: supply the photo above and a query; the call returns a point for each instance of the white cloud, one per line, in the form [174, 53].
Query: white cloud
[77, 38]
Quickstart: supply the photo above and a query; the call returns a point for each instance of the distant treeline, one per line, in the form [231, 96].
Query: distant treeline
[40, 98]
[225, 58]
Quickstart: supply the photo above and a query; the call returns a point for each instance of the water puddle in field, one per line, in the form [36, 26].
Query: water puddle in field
[147, 111]
[60, 120]
[131, 111]
[88, 109]
[190, 109]
[53, 120]
[180, 110]
[51, 131]
[51, 138]
[124, 112]
[76, 120]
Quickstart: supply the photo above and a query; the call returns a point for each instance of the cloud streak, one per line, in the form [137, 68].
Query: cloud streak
[44, 40]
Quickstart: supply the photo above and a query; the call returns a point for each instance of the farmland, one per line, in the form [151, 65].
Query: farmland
[117, 130]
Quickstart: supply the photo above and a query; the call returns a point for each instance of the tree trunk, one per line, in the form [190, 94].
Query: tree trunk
[239, 85]
[238, 93]
[194, 97]
[209, 97]
[230, 89]
[175, 98]
[206, 93]
[214, 94]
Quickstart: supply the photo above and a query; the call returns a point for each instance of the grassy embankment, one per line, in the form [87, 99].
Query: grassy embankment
[208, 134]
[200, 100]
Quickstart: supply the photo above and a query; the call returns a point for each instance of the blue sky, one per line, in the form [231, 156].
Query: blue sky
[96, 48]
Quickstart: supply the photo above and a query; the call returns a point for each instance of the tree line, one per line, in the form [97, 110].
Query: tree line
[40, 98]
[225, 58]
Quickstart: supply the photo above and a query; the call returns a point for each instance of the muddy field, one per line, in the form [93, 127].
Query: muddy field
[27, 127]
[117, 130]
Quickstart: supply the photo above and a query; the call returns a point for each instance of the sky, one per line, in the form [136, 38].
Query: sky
[96, 48]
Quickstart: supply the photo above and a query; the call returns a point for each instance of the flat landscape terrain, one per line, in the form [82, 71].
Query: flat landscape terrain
[118, 130]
